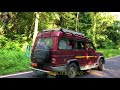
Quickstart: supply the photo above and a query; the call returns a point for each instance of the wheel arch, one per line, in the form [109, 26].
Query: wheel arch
[73, 61]
[103, 59]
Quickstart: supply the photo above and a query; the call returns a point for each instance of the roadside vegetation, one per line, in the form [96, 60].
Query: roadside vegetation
[13, 61]
[110, 52]
[13, 56]
[17, 31]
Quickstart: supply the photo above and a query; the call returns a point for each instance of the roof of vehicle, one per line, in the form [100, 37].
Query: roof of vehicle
[67, 31]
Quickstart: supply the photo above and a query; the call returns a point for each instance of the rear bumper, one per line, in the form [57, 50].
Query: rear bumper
[53, 69]
[59, 68]
[39, 70]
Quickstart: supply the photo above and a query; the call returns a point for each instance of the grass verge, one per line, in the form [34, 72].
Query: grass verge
[13, 62]
[109, 52]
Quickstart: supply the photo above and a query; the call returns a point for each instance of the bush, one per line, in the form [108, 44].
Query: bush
[13, 61]
[3, 41]
[12, 56]
[109, 52]
[12, 46]
[16, 45]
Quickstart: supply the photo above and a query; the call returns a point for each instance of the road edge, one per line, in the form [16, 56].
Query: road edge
[3, 76]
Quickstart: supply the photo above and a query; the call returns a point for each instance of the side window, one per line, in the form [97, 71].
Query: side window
[80, 45]
[62, 44]
[89, 45]
[66, 44]
[70, 44]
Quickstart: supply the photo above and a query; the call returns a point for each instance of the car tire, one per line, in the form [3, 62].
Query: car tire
[100, 66]
[72, 70]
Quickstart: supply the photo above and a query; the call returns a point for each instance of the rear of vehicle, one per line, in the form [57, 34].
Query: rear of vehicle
[44, 55]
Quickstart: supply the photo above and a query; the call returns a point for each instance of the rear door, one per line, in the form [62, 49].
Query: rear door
[66, 51]
[80, 52]
[90, 53]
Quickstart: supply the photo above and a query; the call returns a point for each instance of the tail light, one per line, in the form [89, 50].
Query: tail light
[34, 64]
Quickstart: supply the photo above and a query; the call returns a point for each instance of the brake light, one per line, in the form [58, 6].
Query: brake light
[34, 64]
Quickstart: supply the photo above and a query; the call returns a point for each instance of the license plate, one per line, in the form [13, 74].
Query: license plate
[34, 64]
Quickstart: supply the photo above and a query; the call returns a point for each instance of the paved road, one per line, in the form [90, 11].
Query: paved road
[111, 70]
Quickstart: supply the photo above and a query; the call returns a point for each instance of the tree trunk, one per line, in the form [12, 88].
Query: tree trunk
[31, 30]
[77, 21]
[94, 28]
[36, 26]
[66, 24]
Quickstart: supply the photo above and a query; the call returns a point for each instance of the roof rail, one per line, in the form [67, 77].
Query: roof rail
[65, 30]
[75, 33]
[56, 29]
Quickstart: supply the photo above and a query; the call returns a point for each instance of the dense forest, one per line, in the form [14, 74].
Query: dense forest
[102, 27]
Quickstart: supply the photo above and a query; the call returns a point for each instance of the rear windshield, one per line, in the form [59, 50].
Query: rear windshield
[45, 41]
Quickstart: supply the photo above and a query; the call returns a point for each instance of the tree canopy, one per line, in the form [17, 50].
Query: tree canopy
[101, 27]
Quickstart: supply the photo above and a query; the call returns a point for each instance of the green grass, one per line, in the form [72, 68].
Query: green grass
[109, 52]
[12, 61]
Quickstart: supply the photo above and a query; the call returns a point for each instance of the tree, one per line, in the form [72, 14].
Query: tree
[94, 28]
[36, 26]
[77, 21]
[98, 26]
[101, 22]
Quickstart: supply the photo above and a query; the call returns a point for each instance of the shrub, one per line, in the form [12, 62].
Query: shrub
[13, 61]
[3, 41]
[109, 52]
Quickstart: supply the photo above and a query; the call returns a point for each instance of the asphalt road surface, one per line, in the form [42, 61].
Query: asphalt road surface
[111, 70]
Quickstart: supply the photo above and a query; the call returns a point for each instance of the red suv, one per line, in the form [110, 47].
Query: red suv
[61, 50]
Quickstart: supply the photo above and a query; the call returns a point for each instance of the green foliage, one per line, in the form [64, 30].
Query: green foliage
[101, 27]
[3, 41]
[12, 61]
[109, 52]
[17, 45]
[85, 22]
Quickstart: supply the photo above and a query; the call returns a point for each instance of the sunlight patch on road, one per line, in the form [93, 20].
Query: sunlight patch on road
[97, 73]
